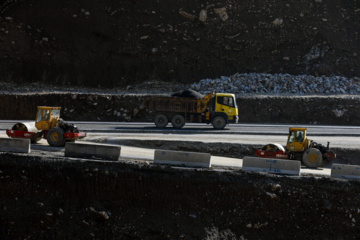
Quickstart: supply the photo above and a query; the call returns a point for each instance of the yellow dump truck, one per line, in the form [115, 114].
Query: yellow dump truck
[218, 109]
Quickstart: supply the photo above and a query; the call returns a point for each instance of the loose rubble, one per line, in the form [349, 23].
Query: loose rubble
[263, 83]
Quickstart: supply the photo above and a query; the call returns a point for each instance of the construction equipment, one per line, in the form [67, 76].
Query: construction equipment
[218, 109]
[48, 125]
[298, 147]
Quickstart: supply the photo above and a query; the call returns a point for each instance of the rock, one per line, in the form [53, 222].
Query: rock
[203, 15]
[278, 21]
[272, 195]
[101, 214]
[222, 13]
[276, 187]
[135, 112]
[339, 112]
[187, 15]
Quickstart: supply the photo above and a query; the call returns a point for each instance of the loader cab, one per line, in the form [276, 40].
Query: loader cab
[297, 141]
[46, 117]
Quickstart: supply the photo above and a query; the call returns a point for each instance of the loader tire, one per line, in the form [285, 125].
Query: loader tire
[161, 121]
[219, 122]
[312, 158]
[178, 121]
[55, 137]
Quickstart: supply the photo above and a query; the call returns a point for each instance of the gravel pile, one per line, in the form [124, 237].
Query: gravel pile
[261, 83]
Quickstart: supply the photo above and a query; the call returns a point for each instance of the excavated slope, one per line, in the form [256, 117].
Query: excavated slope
[119, 43]
[54, 198]
[331, 110]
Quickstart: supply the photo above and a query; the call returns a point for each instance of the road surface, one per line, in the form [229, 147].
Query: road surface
[257, 134]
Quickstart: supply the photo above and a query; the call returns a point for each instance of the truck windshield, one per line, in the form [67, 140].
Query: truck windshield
[228, 101]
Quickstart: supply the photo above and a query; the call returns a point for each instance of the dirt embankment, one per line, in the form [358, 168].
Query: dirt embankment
[110, 43]
[332, 110]
[61, 199]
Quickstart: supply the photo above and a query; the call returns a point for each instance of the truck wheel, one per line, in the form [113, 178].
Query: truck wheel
[178, 121]
[312, 158]
[55, 137]
[219, 122]
[161, 121]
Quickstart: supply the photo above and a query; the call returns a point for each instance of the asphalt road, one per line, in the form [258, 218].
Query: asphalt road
[259, 134]
[241, 128]
[339, 136]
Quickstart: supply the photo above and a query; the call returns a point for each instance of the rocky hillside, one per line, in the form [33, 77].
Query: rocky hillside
[119, 43]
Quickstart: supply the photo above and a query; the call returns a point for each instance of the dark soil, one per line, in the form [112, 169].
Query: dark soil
[119, 43]
[56, 198]
[165, 44]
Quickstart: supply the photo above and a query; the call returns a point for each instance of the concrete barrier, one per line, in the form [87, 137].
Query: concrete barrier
[92, 151]
[278, 166]
[345, 171]
[189, 159]
[16, 145]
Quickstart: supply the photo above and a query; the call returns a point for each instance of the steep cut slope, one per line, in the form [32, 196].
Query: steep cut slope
[116, 43]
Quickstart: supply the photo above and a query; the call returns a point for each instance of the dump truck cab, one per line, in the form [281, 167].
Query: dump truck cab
[297, 141]
[47, 117]
[224, 104]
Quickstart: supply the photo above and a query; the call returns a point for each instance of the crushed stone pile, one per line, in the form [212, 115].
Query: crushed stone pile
[263, 83]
